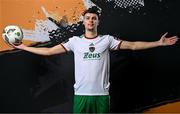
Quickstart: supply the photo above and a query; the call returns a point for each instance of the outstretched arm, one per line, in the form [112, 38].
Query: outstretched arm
[42, 51]
[139, 45]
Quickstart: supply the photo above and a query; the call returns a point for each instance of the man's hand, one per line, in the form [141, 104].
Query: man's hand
[21, 46]
[165, 41]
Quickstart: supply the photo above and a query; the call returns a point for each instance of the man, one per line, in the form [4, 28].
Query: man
[91, 55]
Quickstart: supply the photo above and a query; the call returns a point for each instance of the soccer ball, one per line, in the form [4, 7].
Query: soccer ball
[12, 34]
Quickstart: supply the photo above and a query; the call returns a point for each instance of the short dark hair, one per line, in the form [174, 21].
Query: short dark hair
[94, 10]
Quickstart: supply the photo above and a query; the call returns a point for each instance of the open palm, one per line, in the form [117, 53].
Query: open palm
[164, 41]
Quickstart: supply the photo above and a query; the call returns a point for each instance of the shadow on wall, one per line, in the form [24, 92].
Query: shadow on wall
[32, 83]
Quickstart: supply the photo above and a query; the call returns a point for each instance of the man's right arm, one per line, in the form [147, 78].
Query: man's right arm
[58, 49]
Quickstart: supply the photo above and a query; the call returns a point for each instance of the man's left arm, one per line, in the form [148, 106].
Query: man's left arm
[140, 45]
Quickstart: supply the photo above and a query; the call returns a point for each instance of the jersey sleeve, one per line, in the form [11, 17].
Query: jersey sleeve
[69, 44]
[114, 43]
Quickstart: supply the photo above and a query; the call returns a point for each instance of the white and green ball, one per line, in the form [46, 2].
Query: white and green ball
[12, 34]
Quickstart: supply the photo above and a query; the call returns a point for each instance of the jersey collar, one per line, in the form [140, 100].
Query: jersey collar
[90, 38]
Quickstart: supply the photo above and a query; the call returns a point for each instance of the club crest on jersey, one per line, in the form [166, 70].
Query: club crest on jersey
[91, 47]
[92, 55]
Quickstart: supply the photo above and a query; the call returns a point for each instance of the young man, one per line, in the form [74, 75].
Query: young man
[91, 55]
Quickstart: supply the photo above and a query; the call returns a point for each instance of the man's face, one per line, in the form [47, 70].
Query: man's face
[91, 21]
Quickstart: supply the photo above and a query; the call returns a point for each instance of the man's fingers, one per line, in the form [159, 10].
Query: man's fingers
[164, 35]
[174, 37]
[172, 41]
[12, 45]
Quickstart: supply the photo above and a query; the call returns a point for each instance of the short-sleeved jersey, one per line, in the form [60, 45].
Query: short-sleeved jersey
[92, 63]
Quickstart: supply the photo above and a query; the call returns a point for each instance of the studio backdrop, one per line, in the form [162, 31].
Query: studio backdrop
[140, 80]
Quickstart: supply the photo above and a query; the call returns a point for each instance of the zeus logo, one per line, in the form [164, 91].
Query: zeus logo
[92, 56]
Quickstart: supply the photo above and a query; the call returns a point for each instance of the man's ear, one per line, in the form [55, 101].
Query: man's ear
[98, 22]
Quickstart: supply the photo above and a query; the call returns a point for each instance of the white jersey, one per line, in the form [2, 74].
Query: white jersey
[92, 63]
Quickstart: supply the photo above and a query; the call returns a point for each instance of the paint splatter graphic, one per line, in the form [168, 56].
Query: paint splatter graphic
[57, 31]
[64, 31]
[40, 34]
[52, 30]
[127, 3]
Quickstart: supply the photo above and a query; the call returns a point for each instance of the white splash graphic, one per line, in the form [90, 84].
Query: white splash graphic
[40, 34]
[88, 3]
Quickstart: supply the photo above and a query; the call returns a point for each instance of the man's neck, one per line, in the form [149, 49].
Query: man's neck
[91, 34]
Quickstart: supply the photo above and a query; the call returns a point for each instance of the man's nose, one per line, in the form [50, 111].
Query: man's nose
[91, 20]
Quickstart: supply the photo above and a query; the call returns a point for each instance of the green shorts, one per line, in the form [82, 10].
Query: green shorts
[91, 104]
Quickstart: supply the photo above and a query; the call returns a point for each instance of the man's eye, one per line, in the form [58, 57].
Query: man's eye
[87, 17]
[94, 18]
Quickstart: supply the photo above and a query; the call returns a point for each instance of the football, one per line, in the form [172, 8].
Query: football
[12, 34]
